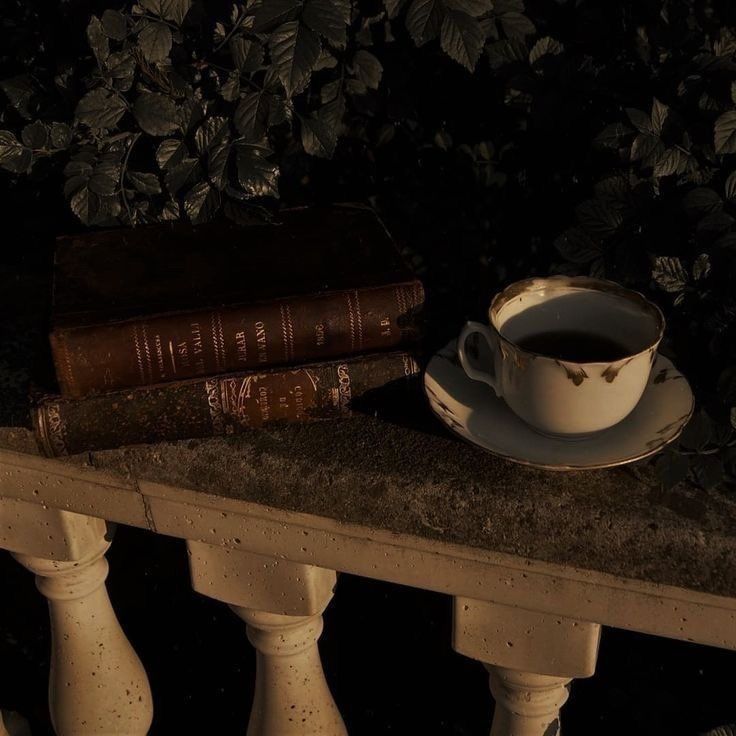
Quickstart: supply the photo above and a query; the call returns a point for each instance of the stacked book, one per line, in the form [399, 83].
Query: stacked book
[173, 332]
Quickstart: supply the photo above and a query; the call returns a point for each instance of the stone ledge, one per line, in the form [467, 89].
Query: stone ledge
[422, 482]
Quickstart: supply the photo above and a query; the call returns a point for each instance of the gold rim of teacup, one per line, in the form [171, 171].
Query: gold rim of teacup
[585, 283]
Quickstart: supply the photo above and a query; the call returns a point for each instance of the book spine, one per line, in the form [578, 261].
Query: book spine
[220, 405]
[178, 346]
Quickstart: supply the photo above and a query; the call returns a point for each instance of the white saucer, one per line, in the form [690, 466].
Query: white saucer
[471, 409]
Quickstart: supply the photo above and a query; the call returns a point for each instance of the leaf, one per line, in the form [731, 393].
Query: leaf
[701, 267]
[85, 205]
[247, 54]
[320, 131]
[660, 113]
[729, 730]
[257, 175]
[211, 133]
[294, 52]
[114, 25]
[500, 7]
[671, 468]
[612, 136]
[35, 135]
[60, 135]
[100, 109]
[506, 51]
[329, 91]
[517, 25]
[170, 211]
[170, 153]
[121, 68]
[393, 7]
[546, 46]
[670, 162]
[98, 40]
[201, 202]
[175, 10]
[424, 20]
[644, 146]
[144, 182]
[732, 416]
[157, 114]
[102, 184]
[599, 217]
[251, 115]
[715, 223]
[471, 7]
[367, 68]
[725, 133]
[325, 61]
[731, 187]
[669, 274]
[154, 42]
[462, 38]
[328, 19]
[14, 156]
[217, 158]
[355, 87]
[20, 93]
[272, 13]
[576, 246]
[640, 120]
[701, 200]
[230, 89]
[177, 175]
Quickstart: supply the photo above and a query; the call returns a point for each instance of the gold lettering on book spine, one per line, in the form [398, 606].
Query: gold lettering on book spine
[139, 354]
[359, 320]
[215, 403]
[147, 349]
[351, 319]
[344, 388]
[51, 430]
[290, 329]
[285, 334]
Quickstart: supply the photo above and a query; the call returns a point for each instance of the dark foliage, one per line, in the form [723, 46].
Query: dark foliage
[500, 140]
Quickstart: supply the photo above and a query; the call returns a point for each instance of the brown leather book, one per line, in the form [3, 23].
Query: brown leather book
[171, 302]
[220, 405]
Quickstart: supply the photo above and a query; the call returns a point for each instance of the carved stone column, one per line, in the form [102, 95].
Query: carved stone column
[531, 657]
[281, 603]
[97, 684]
[12, 724]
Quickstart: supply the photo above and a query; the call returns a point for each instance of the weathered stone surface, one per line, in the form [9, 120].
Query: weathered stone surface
[404, 473]
[421, 481]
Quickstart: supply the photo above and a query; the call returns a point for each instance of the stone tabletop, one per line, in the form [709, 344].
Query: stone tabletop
[420, 481]
[401, 471]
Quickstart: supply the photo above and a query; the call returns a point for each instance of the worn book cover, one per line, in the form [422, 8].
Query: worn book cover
[217, 405]
[170, 302]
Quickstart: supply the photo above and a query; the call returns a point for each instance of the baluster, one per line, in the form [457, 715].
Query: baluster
[12, 724]
[526, 704]
[531, 657]
[281, 603]
[97, 684]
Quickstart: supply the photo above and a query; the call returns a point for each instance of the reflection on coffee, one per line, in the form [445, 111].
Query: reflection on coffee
[574, 346]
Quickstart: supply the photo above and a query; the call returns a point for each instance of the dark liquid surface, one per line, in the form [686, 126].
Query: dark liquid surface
[577, 347]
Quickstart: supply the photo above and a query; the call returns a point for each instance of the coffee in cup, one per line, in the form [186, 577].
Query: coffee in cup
[570, 355]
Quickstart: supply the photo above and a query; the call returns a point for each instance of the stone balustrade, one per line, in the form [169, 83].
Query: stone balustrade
[536, 563]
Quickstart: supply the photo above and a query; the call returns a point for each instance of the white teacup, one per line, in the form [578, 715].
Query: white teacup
[577, 394]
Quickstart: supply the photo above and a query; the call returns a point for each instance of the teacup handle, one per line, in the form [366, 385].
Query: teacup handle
[472, 372]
